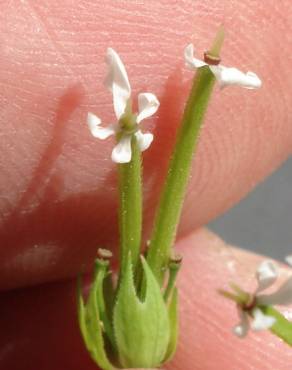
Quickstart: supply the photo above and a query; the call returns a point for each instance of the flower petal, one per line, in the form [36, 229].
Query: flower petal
[267, 274]
[122, 152]
[92, 120]
[96, 130]
[241, 329]
[283, 296]
[261, 321]
[233, 76]
[144, 140]
[117, 81]
[147, 104]
[190, 60]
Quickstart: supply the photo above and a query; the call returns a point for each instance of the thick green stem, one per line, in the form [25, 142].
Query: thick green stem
[130, 210]
[171, 202]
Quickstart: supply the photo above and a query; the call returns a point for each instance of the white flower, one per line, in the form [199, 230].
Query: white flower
[289, 259]
[118, 83]
[224, 75]
[260, 322]
[267, 274]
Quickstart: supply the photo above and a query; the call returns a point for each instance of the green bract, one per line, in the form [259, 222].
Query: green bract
[135, 331]
[141, 324]
[90, 318]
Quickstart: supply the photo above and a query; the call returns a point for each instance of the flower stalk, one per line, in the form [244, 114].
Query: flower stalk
[130, 207]
[128, 324]
[172, 197]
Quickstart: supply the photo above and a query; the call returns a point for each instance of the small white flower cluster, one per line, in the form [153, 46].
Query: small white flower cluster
[267, 274]
[118, 83]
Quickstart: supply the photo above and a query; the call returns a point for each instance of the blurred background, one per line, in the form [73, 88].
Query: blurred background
[262, 222]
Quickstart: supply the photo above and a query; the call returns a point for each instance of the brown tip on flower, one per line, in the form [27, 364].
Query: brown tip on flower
[176, 258]
[210, 59]
[104, 253]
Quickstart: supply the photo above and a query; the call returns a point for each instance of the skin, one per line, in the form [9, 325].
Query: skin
[59, 197]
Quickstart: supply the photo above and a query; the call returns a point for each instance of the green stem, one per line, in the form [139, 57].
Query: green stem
[173, 193]
[130, 210]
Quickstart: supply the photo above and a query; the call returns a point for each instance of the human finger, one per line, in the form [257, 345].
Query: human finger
[58, 184]
[39, 325]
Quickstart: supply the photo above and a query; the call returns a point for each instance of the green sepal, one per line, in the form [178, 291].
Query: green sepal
[91, 326]
[141, 327]
[282, 327]
[173, 269]
[100, 277]
[173, 322]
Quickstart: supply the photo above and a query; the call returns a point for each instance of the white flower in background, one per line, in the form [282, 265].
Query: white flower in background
[127, 126]
[224, 75]
[251, 316]
[288, 259]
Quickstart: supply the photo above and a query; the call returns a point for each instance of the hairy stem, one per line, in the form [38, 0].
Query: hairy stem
[130, 210]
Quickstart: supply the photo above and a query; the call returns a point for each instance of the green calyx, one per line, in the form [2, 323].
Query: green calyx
[135, 330]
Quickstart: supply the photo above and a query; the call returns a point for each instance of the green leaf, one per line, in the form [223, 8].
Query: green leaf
[173, 321]
[91, 328]
[283, 327]
[141, 327]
